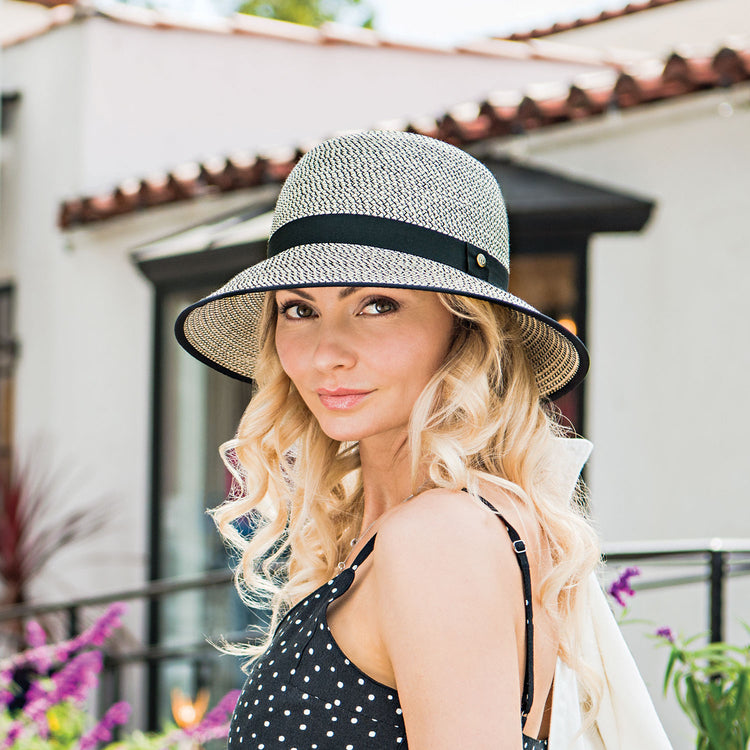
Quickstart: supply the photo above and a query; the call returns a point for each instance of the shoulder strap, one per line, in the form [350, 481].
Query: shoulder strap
[520, 548]
[523, 562]
[364, 552]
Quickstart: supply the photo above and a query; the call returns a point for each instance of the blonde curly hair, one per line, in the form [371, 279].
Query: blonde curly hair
[480, 418]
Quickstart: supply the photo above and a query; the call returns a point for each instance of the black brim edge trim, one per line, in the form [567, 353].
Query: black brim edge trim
[578, 376]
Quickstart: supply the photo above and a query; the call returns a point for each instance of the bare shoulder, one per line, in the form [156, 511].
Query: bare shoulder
[440, 512]
[443, 532]
[446, 610]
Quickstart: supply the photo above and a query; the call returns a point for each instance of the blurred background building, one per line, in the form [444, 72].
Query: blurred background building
[142, 151]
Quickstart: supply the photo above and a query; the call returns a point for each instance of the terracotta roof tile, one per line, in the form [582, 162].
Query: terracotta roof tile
[732, 65]
[424, 126]
[502, 113]
[583, 102]
[605, 15]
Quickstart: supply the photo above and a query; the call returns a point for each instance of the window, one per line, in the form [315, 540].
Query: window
[552, 283]
[7, 366]
[197, 410]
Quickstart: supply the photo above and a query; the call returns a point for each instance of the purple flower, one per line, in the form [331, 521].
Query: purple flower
[116, 715]
[621, 588]
[666, 633]
[76, 678]
[215, 724]
[72, 683]
[35, 635]
[101, 629]
[41, 658]
[6, 698]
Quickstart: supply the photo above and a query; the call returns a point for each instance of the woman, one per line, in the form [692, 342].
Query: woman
[419, 539]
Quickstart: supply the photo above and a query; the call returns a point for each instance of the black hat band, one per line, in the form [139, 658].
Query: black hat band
[390, 234]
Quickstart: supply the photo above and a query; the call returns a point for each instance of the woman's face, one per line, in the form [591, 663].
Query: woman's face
[360, 356]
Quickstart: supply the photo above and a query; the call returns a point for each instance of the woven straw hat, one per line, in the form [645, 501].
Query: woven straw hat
[381, 208]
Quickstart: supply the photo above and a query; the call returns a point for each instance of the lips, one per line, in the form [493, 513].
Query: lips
[341, 398]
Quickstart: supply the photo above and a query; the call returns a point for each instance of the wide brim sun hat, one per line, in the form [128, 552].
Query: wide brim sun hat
[385, 209]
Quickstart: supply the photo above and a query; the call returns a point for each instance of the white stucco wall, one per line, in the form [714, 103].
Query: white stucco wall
[83, 321]
[159, 98]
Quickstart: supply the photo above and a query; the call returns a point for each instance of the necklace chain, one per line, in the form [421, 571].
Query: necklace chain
[353, 543]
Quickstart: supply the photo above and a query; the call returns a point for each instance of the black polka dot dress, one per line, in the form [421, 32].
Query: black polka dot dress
[305, 694]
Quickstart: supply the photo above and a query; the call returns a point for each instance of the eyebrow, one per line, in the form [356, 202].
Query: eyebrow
[345, 292]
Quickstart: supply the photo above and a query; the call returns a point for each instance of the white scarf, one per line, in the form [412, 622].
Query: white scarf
[626, 719]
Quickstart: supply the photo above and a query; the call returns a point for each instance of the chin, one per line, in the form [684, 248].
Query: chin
[344, 428]
[343, 434]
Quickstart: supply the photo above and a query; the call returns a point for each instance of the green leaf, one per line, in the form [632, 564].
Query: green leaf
[702, 711]
[673, 656]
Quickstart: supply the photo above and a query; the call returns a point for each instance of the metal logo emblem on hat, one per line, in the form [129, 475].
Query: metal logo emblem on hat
[381, 208]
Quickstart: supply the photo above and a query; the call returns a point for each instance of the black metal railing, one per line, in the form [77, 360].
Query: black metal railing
[686, 562]
[720, 559]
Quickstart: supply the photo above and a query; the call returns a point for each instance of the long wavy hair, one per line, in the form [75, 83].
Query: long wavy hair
[479, 418]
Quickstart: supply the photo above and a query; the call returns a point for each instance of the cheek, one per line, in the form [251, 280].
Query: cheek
[289, 355]
[436, 343]
[424, 354]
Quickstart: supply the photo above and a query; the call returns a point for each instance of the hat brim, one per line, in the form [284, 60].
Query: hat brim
[221, 329]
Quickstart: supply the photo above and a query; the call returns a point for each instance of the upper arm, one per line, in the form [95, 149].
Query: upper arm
[445, 606]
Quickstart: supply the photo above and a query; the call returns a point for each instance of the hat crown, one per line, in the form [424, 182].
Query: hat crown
[401, 176]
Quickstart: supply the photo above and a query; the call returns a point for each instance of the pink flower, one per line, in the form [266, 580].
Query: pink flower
[621, 588]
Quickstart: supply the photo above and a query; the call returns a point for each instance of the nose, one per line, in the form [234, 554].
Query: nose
[334, 347]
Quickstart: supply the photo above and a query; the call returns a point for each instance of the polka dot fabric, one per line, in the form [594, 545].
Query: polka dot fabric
[305, 694]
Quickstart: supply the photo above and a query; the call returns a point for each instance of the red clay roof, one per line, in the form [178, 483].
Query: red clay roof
[506, 114]
[605, 15]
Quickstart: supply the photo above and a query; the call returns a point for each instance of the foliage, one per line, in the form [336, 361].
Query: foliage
[307, 12]
[32, 530]
[709, 682]
[44, 690]
[711, 686]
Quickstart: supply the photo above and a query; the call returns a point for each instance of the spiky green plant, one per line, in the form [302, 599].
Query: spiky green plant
[711, 685]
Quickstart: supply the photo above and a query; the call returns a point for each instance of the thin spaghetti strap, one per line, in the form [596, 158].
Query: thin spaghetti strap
[364, 552]
[523, 562]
